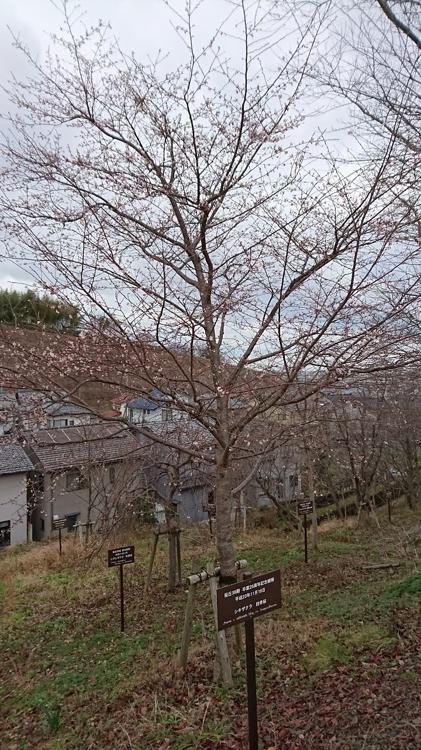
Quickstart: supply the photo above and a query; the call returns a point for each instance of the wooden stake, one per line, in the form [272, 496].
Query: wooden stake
[238, 639]
[221, 639]
[188, 621]
[179, 557]
[151, 561]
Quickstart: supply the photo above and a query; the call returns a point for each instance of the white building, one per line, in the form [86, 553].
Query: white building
[154, 408]
[14, 468]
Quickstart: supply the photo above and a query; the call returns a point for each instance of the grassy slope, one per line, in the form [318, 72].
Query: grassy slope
[336, 666]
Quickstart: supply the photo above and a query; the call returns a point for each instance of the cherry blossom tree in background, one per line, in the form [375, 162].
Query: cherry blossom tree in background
[199, 209]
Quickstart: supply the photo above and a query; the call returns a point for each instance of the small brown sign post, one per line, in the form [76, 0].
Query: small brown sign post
[242, 602]
[59, 523]
[119, 557]
[304, 507]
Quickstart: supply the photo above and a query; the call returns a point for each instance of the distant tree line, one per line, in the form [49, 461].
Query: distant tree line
[28, 309]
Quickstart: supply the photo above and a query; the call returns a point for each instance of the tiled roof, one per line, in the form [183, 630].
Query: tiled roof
[142, 403]
[62, 448]
[13, 460]
[63, 408]
[156, 398]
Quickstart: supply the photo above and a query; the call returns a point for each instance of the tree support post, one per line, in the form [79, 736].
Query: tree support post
[151, 561]
[221, 639]
[178, 558]
[188, 622]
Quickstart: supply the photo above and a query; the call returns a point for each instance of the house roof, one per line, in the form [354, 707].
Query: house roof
[150, 404]
[57, 449]
[14, 460]
[142, 403]
[63, 408]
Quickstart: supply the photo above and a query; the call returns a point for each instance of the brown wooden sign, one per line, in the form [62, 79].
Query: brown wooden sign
[120, 556]
[59, 523]
[305, 507]
[250, 598]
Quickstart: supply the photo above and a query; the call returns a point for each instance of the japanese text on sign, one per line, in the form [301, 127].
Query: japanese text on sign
[59, 523]
[120, 556]
[305, 507]
[250, 598]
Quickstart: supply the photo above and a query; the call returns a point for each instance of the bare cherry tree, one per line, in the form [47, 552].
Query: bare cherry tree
[360, 413]
[165, 472]
[198, 206]
[403, 435]
[374, 63]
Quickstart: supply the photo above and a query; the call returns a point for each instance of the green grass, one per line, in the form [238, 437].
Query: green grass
[72, 680]
[267, 558]
[328, 651]
[364, 601]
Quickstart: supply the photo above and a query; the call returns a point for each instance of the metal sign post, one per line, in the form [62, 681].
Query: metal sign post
[121, 599]
[251, 685]
[389, 508]
[59, 523]
[118, 558]
[242, 602]
[304, 507]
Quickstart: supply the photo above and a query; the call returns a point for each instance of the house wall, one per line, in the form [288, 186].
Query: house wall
[13, 506]
[290, 485]
[138, 416]
[191, 503]
[69, 420]
[57, 500]
[150, 417]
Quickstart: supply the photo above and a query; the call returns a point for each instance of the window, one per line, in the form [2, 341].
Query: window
[71, 519]
[4, 534]
[62, 422]
[112, 474]
[293, 480]
[166, 414]
[74, 480]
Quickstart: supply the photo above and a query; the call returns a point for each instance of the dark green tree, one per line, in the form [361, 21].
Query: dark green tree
[28, 309]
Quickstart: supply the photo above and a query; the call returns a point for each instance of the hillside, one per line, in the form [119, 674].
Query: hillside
[337, 665]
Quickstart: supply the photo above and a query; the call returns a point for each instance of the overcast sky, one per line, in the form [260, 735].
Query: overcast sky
[142, 26]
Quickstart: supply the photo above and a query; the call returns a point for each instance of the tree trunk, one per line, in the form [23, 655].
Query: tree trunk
[172, 560]
[335, 496]
[224, 526]
[171, 516]
[312, 497]
[372, 506]
[410, 493]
